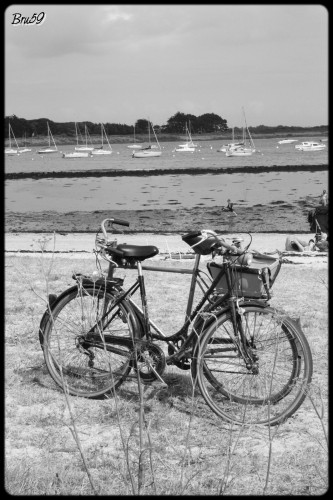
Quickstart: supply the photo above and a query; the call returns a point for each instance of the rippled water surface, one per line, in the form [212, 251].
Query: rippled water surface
[269, 153]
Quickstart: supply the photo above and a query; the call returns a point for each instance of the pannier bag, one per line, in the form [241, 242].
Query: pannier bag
[253, 281]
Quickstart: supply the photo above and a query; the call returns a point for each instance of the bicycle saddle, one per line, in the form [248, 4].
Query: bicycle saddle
[138, 252]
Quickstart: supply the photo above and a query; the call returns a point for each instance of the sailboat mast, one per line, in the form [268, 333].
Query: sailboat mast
[247, 129]
[155, 136]
[48, 134]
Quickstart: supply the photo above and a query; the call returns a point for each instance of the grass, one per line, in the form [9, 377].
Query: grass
[186, 449]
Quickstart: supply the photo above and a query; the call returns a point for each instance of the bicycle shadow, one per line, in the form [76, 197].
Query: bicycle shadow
[180, 394]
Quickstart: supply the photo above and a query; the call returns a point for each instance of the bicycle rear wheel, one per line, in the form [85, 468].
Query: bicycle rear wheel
[76, 350]
[241, 394]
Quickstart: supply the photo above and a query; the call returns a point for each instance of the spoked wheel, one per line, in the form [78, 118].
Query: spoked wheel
[266, 391]
[75, 342]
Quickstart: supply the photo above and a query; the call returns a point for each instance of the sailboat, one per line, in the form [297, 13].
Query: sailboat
[189, 145]
[49, 149]
[243, 150]
[77, 154]
[85, 147]
[232, 145]
[101, 151]
[149, 150]
[134, 146]
[10, 150]
[24, 149]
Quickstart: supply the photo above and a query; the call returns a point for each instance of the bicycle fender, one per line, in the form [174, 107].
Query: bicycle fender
[53, 300]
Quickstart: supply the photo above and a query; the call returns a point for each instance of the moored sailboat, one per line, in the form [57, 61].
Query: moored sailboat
[24, 148]
[243, 149]
[148, 151]
[100, 150]
[49, 149]
[85, 147]
[10, 150]
[232, 145]
[134, 145]
[189, 146]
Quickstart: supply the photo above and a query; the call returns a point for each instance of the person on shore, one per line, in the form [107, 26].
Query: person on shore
[229, 207]
[293, 243]
[320, 243]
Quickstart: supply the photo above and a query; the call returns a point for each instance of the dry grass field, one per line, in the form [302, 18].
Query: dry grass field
[76, 446]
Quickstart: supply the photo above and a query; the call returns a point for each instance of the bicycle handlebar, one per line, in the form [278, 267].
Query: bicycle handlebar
[120, 222]
[222, 243]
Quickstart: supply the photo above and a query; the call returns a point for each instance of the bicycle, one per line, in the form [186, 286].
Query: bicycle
[251, 362]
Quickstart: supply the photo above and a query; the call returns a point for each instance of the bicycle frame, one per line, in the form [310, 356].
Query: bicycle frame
[181, 334]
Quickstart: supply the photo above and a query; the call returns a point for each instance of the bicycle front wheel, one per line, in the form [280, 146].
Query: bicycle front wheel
[265, 392]
[75, 341]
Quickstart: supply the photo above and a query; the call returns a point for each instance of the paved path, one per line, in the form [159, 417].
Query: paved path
[168, 243]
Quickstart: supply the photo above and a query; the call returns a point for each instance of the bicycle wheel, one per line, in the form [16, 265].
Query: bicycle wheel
[238, 393]
[75, 341]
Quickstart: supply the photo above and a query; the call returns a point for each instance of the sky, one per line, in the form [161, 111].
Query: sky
[120, 63]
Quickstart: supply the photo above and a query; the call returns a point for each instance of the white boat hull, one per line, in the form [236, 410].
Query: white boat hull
[77, 154]
[101, 152]
[287, 141]
[134, 146]
[11, 151]
[146, 154]
[83, 148]
[239, 152]
[47, 151]
[185, 149]
[310, 146]
[229, 147]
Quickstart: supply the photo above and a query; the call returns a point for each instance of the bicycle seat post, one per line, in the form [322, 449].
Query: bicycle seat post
[111, 270]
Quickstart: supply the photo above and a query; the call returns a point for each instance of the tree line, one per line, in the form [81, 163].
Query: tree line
[176, 124]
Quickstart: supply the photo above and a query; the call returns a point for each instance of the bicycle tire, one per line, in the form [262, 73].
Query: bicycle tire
[285, 368]
[95, 369]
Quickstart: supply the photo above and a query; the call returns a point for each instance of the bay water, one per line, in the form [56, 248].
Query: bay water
[170, 191]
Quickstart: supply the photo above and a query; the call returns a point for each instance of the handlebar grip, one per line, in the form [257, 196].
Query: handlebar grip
[231, 248]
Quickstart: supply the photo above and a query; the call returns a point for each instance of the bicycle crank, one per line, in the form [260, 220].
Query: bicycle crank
[150, 362]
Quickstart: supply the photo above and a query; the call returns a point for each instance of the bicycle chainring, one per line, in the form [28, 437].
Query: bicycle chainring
[150, 356]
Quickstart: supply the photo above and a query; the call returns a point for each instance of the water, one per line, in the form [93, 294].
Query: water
[270, 153]
[275, 192]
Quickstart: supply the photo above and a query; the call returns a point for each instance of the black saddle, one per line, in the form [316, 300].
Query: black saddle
[137, 252]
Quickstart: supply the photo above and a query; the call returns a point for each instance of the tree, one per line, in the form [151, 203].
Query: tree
[210, 122]
[141, 126]
[177, 122]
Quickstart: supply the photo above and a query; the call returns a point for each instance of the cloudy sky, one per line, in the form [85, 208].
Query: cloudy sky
[120, 63]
